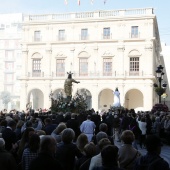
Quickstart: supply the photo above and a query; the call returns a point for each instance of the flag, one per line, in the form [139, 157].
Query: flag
[66, 2]
[78, 1]
[105, 1]
[92, 2]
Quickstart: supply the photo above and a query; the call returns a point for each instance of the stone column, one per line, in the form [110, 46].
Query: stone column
[149, 54]
[95, 97]
[48, 57]
[96, 60]
[24, 62]
[23, 95]
[148, 96]
[72, 61]
[120, 59]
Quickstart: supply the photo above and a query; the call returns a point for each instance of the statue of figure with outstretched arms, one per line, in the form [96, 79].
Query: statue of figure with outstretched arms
[68, 85]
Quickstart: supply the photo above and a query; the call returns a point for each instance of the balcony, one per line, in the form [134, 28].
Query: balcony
[89, 15]
[37, 39]
[37, 74]
[134, 35]
[84, 37]
[106, 37]
[61, 38]
[92, 75]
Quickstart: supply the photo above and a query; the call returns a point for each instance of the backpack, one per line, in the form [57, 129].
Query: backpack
[149, 166]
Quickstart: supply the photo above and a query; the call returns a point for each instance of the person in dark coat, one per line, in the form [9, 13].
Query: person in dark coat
[74, 124]
[152, 160]
[46, 159]
[9, 135]
[67, 151]
[49, 126]
[84, 161]
[7, 161]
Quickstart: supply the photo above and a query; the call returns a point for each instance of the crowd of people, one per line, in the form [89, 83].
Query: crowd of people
[83, 141]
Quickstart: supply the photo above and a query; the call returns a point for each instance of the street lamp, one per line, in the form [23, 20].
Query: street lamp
[161, 88]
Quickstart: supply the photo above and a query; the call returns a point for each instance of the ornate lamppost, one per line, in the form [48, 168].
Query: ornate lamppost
[160, 88]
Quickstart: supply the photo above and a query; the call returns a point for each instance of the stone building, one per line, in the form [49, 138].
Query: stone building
[104, 50]
[10, 58]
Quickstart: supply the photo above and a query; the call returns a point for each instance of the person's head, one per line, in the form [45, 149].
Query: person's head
[127, 136]
[82, 140]
[27, 134]
[109, 155]
[103, 127]
[89, 117]
[47, 121]
[20, 124]
[60, 128]
[142, 119]
[34, 142]
[103, 142]
[153, 144]
[40, 132]
[67, 135]
[29, 124]
[2, 143]
[3, 123]
[48, 145]
[90, 149]
[73, 115]
[69, 75]
[101, 135]
[12, 124]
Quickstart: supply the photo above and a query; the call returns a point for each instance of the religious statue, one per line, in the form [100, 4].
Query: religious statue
[116, 98]
[68, 85]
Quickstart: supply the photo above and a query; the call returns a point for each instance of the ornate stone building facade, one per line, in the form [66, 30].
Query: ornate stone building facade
[10, 59]
[104, 50]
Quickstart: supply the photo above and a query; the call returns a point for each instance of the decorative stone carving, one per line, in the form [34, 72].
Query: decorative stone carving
[60, 55]
[107, 54]
[121, 48]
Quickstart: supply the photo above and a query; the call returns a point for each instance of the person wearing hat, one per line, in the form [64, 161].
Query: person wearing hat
[152, 159]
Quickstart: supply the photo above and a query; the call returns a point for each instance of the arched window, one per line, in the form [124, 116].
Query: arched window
[36, 65]
[134, 63]
[83, 63]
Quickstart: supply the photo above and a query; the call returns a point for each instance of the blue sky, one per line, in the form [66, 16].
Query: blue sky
[161, 9]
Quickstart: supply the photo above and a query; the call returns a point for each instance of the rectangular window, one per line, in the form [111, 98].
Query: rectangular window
[61, 35]
[84, 34]
[9, 55]
[83, 66]
[60, 67]
[134, 32]
[107, 67]
[37, 36]
[36, 68]
[106, 33]
[134, 66]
